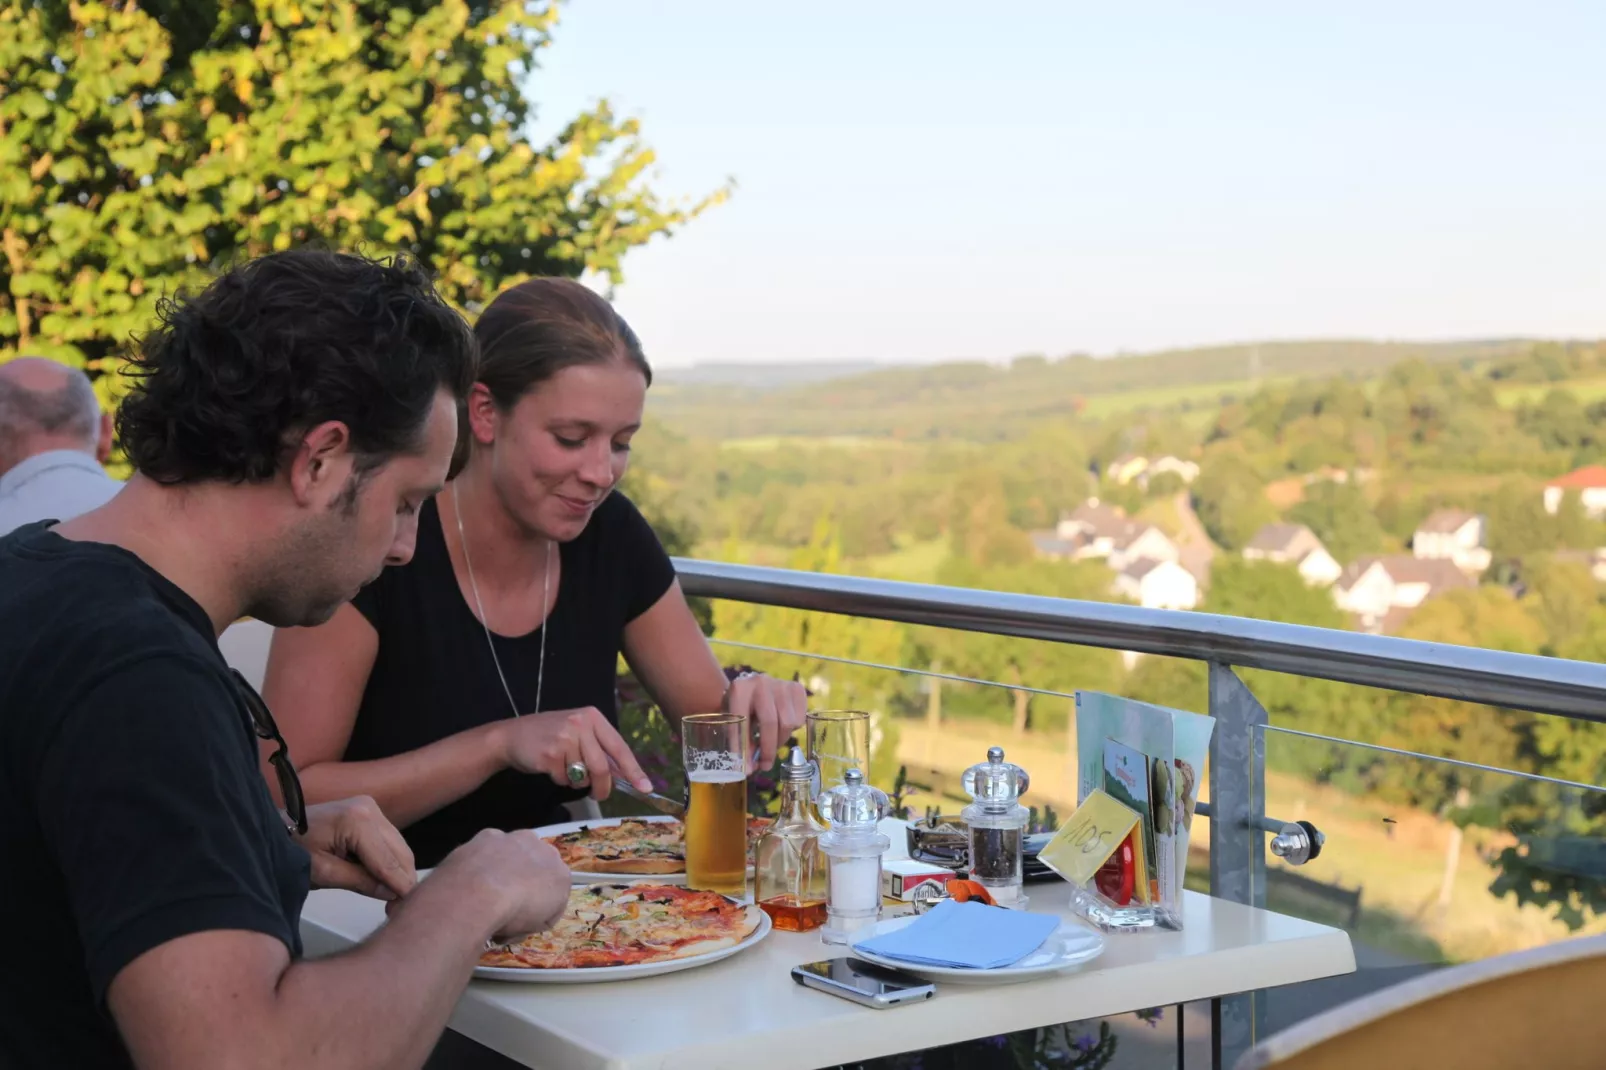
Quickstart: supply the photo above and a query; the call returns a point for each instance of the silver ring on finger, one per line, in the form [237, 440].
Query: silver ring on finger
[577, 773]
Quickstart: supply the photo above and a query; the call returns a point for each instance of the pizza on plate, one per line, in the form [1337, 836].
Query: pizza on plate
[634, 845]
[629, 924]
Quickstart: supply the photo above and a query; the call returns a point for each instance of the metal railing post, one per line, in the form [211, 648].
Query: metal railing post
[1237, 845]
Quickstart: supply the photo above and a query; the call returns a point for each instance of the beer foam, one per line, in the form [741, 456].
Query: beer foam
[715, 776]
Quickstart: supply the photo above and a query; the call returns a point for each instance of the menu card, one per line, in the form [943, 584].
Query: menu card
[1149, 759]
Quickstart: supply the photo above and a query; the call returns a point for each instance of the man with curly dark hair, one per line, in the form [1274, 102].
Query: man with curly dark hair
[285, 426]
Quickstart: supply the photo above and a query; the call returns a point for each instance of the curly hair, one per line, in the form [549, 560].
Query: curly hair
[283, 343]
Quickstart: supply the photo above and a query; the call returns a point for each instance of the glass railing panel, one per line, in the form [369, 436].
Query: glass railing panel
[1427, 861]
[932, 725]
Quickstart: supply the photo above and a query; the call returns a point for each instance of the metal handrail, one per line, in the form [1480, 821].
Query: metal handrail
[1472, 674]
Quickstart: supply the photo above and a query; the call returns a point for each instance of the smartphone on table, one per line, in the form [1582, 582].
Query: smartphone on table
[863, 982]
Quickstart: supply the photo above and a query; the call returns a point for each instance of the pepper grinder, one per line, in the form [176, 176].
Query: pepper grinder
[997, 823]
[853, 847]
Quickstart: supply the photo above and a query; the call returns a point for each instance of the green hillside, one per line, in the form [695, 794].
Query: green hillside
[987, 402]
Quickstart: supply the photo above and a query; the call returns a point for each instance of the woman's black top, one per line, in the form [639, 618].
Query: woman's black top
[434, 677]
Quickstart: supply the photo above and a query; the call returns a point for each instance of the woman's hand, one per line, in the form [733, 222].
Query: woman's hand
[354, 847]
[777, 707]
[553, 741]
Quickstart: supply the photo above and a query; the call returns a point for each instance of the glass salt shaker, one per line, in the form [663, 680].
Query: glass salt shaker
[789, 882]
[997, 823]
[853, 847]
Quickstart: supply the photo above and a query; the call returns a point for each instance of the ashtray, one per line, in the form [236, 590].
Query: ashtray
[940, 840]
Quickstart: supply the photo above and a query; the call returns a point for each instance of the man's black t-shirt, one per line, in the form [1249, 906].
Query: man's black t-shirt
[132, 811]
[434, 677]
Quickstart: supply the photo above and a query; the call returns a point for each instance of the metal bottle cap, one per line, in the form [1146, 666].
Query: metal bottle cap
[797, 766]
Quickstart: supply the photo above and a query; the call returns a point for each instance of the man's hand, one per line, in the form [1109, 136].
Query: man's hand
[525, 872]
[354, 847]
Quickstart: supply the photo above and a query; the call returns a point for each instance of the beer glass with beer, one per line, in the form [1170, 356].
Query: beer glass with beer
[714, 745]
[836, 741]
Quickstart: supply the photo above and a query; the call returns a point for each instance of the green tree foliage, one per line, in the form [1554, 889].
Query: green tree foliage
[1340, 515]
[1485, 616]
[809, 639]
[1520, 528]
[138, 148]
[1230, 499]
[1565, 599]
[1015, 663]
[1041, 475]
[1165, 485]
[1560, 422]
[978, 526]
[1268, 591]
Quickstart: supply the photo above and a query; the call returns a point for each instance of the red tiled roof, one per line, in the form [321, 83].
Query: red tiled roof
[1585, 478]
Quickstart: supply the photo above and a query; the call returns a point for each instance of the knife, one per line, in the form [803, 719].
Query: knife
[662, 803]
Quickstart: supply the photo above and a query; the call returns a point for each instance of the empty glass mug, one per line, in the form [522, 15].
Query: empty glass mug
[836, 741]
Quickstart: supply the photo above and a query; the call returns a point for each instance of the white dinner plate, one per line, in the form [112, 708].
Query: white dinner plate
[1070, 945]
[598, 974]
[582, 877]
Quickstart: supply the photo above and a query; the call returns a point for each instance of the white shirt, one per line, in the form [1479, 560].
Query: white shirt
[54, 485]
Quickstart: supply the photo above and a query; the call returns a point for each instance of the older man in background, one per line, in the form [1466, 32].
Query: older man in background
[53, 440]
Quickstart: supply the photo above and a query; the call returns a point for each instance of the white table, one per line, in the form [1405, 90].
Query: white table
[747, 1011]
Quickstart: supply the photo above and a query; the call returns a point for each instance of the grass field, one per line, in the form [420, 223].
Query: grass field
[1515, 394]
[1208, 395]
[768, 443]
[914, 562]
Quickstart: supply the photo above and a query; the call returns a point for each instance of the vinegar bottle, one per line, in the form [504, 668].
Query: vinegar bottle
[789, 877]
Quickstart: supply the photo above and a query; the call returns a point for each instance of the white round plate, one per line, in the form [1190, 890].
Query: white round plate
[1070, 945]
[580, 877]
[599, 974]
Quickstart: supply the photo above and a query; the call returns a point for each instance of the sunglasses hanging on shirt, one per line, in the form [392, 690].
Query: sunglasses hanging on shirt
[295, 804]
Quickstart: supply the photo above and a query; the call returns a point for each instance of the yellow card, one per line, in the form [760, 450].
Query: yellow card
[1089, 837]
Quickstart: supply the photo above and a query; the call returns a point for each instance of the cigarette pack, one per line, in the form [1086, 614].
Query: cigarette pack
[901, 876]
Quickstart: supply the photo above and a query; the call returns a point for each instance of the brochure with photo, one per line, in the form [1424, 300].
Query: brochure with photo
[1127, 780]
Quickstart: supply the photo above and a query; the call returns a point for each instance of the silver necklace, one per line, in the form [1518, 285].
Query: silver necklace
[473, 585]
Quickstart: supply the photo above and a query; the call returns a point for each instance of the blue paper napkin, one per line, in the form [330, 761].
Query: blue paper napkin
[965, 935]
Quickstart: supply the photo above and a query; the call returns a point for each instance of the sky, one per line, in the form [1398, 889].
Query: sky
[942, 181]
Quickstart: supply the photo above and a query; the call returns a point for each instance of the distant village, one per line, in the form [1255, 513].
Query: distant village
[1449, 550]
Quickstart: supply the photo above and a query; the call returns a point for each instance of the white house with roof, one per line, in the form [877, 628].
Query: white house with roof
[1297, 545]
[1142, 542]
[1590, 484]
[1380, 591]
[1158, 585]
[1188, 470]
[1050, 547]
[1454, 535]
[1125, 468]
[1096, 526]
